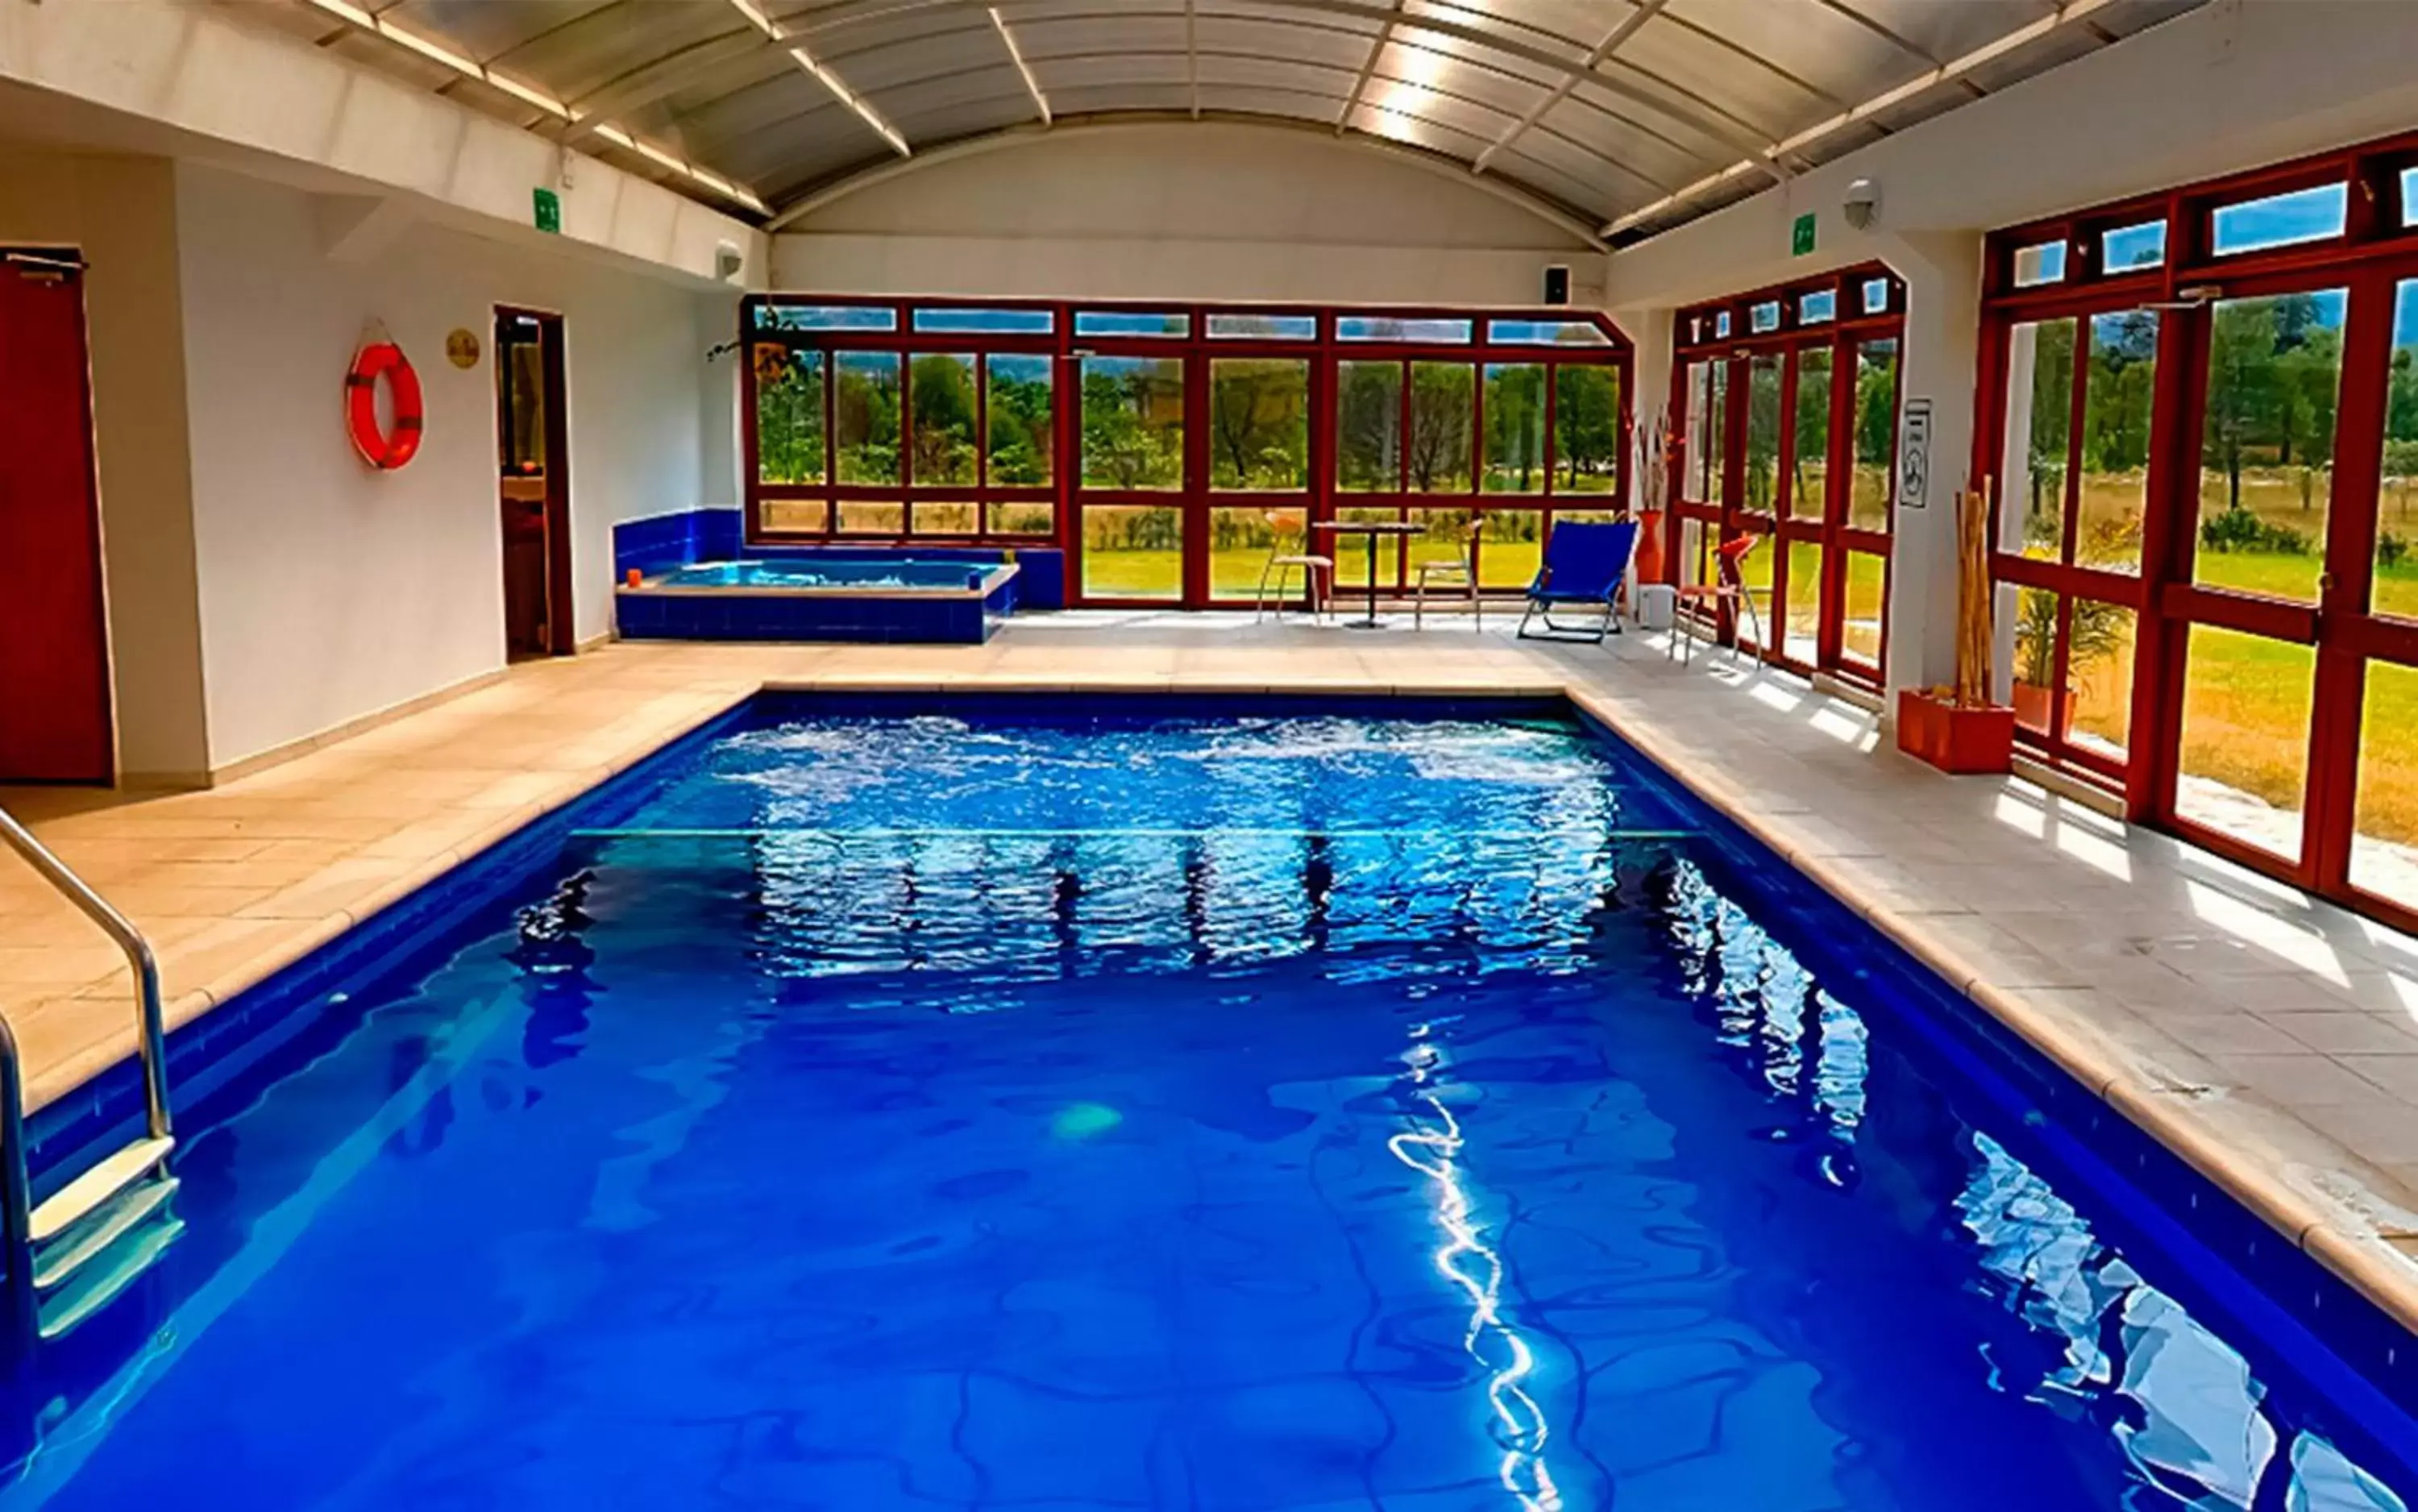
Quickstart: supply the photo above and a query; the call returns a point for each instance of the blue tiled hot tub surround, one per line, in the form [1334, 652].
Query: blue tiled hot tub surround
[663, 541]
[895, 601]
[2084, 1245]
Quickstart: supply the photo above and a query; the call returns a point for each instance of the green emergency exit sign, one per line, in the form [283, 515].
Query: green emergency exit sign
[1801, 236]
[549, 210]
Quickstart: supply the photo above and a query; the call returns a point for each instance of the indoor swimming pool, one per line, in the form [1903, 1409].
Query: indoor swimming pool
[886, 1103]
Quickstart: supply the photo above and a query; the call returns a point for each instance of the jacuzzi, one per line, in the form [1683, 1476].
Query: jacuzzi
[888, 600]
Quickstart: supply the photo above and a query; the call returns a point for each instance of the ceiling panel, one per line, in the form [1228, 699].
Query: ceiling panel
[1692, 88]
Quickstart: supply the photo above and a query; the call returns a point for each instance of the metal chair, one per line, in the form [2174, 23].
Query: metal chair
[1279, 568]
[1454, 572]
[1728, 587]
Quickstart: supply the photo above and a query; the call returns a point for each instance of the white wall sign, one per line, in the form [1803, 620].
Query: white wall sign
[1914, 456]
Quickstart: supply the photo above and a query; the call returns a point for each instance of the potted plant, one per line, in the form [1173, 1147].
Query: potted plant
[1958, 730]
[2094, 634]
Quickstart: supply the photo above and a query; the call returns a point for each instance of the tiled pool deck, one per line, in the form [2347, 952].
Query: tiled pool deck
[2271, 1039]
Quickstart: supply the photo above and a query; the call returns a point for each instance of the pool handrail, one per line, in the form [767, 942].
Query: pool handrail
[16, 1188]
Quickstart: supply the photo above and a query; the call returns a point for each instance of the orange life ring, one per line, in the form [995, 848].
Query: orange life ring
[381, 450]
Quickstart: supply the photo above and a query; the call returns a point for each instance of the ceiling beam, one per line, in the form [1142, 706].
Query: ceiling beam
[1629, 27]
[1192, 53]
[1369, 66]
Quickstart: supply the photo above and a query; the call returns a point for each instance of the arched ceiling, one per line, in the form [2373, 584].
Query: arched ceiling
[1629, 115]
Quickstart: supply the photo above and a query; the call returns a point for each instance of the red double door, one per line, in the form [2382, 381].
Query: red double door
[54, 707]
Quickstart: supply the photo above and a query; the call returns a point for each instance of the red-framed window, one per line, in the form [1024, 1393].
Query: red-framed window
[1170, 448]
[2199, 422]
[1786, 402]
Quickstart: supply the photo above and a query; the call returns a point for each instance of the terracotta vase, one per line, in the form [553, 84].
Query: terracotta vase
[1649, 546]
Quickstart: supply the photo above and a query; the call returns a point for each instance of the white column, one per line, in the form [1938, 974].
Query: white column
[1943, 313]
[1649, 331]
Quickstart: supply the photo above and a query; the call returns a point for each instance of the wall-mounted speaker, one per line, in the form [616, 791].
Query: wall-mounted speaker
[1558, 284]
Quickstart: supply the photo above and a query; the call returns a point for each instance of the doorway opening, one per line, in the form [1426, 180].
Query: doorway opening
[534, 488]
[56, 719]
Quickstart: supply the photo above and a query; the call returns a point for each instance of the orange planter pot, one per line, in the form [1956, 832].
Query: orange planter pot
[2034, 705]
[1965, 741]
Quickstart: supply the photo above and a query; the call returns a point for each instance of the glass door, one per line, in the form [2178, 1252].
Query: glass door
[1135, 457]
[1254, 503]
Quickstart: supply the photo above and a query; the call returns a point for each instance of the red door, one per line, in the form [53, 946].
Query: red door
[54, 715]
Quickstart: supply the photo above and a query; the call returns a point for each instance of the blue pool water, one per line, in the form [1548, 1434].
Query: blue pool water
[1059, 1112]
[903, 572]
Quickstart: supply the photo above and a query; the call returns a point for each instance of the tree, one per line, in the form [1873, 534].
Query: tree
[1259, 423]
[1515, 402]
[942, 399]
[1441, 393]
[1586, 425]
[789, 421]
[1368, 426]
[1022, 439]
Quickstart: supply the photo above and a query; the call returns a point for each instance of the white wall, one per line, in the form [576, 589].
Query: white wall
[1180, 210]
[120, 212]
[330, 590]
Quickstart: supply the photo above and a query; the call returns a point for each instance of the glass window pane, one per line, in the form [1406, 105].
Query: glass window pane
[865, 416]
[1764, 317]
[1761, 432]
[1356, 555]
[1546, 332]
[2245, 742]
[2385, 839]
[2117, 392]
[1860, 629]
[2042, 263]
[1227, 328]
[1822, 304]
[1756, 571]
[2410, 197]
[2098, 676]
[804, 516]
[2134, 246]
[1709, 385]
[1515, 427]
[825, 317]
[1874, 484]
[1244, 544]
[2310, 214]
[1023, 517]
[788, 415]
[859, 518]
[929, 518]
[1586, 428]
[1802, 614]
[1510, 547]
[1369, 427]
[1133, 424]
[1123, 323]
[1808, 481]
[1259, 423]
[1876, 295]
[1017, 412]
[1389, 328]
[2396, 524]
[1448, 538]
[1002, 322]
[941, 392]
[2274, 368]
[1441, 397]
[1721, 325]
[1133, 551]
[2033, 453]
[2037, 612]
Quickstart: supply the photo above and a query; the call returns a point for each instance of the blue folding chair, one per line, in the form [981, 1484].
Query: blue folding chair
[1583, 565]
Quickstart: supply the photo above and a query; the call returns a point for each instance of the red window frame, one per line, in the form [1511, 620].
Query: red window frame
[1196, 350]
[1843, 334]
[2373, 254]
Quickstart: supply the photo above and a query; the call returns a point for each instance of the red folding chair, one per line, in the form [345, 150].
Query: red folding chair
[1727, 589]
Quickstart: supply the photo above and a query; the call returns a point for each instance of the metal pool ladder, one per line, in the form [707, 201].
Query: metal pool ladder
[69, 1254]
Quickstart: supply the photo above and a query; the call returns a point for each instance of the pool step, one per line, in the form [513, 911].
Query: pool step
[58, 1263]
[93, 1287]
[78, 1197]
